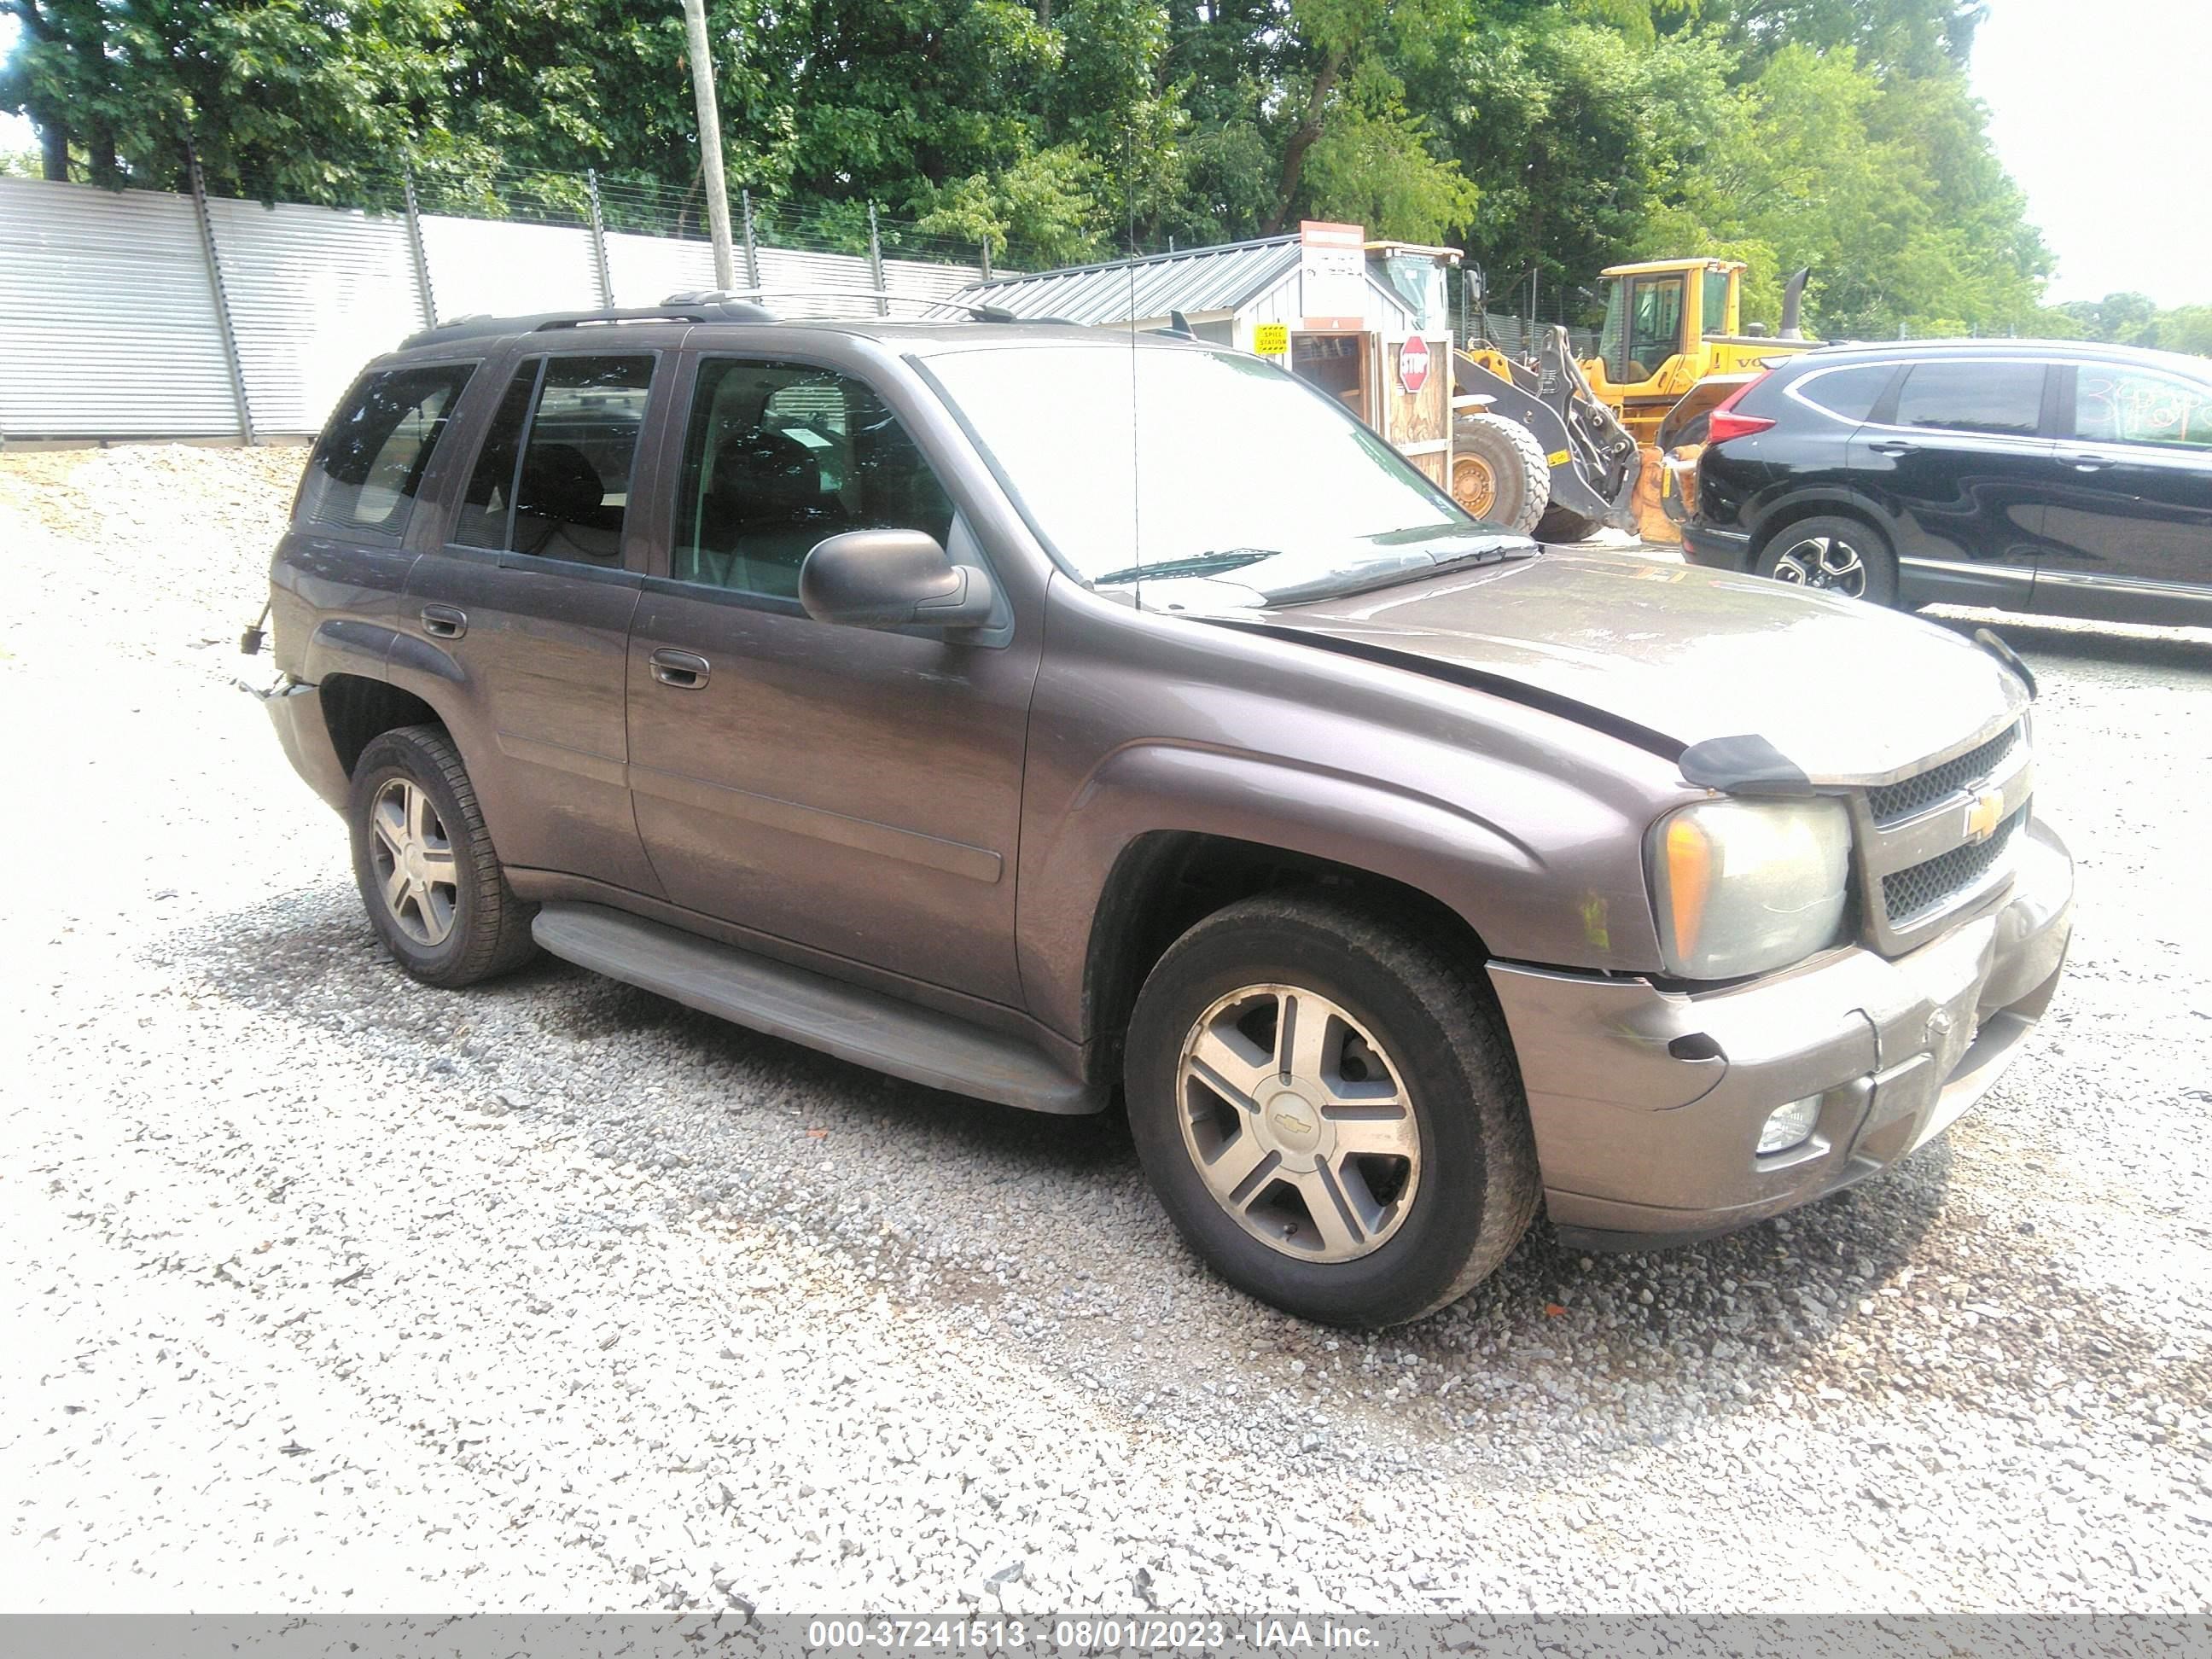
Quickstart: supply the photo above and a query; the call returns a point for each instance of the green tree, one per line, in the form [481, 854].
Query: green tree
[1885, 186]
[1553, 137]
[2185, 328]
[2122, 318]
[278, 97]
[1575, 135]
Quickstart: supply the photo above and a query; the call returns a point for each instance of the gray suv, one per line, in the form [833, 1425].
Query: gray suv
[1052, 716]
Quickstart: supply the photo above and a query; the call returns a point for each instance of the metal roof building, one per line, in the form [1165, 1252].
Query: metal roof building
[1222, 291]
[1313, 302]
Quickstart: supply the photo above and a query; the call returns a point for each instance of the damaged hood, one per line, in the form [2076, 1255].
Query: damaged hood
[1845, 693]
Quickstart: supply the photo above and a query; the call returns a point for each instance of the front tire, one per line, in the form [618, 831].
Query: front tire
[1835, 554]
[1498, 472]
[1329, 1110]
[433, 887]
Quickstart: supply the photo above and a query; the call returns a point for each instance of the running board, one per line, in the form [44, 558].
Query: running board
[866, 1027]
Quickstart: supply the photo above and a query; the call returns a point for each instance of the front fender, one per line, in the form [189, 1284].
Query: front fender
[1525, 822]
[1566, 905]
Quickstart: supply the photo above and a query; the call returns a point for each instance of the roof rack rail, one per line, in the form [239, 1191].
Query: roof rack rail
[685, 309]
[708, 306]
[980, 313]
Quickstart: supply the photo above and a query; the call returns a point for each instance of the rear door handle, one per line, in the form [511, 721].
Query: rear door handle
[445, 622]
[680, 668]
[2089, 463]
[1890, 447]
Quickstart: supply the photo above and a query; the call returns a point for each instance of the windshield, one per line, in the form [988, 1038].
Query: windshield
[1174, 462]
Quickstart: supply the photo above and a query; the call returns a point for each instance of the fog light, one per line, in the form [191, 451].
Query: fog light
[1789, 1126]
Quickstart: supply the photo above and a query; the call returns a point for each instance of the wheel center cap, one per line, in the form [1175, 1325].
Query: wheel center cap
[1294, 1122]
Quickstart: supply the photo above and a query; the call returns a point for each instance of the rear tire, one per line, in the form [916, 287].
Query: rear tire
[1558, 525]
[1367, 1174]
[1498, 471]
[433, 887]
[1835, 554]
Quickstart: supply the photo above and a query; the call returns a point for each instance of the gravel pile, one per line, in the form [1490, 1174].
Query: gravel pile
[328, 1290]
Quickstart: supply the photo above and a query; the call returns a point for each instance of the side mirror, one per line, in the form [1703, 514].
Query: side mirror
[887, 578]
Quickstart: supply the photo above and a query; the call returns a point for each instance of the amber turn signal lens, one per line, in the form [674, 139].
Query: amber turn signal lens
[1689, 876]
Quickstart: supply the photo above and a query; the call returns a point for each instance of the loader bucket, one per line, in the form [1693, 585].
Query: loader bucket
[1666, 491]
[1593, 464]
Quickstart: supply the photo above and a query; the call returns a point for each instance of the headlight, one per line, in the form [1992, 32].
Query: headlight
[1745, 886]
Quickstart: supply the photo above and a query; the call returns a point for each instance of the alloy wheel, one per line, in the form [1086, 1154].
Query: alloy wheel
[416, 872]
[1823, 562]
[1298, 1123]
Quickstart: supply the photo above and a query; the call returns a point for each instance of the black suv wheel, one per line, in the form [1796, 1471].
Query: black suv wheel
[433, 887]
[1329, 1110]
[1834, 554]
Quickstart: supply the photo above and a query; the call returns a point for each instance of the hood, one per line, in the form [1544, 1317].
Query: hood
[1845, 692]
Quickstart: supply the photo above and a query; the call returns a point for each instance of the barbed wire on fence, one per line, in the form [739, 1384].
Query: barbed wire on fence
[639, 204]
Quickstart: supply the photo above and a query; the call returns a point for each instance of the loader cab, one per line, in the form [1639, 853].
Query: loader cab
[1664, 309]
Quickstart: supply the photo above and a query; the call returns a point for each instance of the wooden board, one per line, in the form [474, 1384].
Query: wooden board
[1418, 423]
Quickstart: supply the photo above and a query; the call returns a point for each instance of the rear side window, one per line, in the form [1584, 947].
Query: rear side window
[1848, 393]
[369, 464]
[2138, 406]
[552, 478]
[1966, 396]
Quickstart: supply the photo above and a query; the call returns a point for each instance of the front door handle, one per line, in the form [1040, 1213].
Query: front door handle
[2089, 463]
[680, 668]
[445, 622]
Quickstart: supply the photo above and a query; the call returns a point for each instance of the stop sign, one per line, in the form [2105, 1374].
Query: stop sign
[1413, 364]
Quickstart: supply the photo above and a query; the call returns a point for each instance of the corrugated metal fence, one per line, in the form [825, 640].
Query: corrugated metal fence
[120, 314]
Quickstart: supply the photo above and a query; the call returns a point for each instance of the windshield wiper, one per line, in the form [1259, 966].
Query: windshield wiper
[1196, 564]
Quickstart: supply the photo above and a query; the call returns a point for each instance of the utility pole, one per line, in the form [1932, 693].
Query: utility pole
[710, 143]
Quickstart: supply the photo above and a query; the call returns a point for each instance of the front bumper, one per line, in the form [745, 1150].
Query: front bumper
[1648, 1103]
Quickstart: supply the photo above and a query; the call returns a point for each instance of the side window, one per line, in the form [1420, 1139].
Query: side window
[1965, 396]
[1850, 393]
[2135, 406]
[485, 510]
[779, 456]
[1654, 332]
[552, 477]
[1714, 314]
[369, 463]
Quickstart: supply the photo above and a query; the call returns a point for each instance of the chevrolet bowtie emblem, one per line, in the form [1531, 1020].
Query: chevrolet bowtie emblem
[1982, 817]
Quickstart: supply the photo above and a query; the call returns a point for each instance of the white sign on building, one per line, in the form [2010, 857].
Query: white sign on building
[1332, 274]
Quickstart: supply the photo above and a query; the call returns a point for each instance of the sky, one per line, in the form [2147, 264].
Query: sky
[2097, 109]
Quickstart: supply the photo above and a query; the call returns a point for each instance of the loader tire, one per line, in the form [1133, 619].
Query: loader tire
[1498, 471]
[1558, 525]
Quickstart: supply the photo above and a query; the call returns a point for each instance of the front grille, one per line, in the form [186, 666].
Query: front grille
[1916, 794]
[1911, 892]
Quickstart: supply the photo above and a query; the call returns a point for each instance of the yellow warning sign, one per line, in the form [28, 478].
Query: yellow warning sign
[1557, 458]
[1271, 339]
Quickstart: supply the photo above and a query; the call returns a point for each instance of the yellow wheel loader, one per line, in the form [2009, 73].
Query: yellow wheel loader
[1534, 447]
[1674, 348]
[1560, 447]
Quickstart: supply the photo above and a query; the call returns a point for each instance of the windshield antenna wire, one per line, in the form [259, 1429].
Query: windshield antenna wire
[1136, 510]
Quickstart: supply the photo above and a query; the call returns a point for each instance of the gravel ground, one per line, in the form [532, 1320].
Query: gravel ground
[330, 1291]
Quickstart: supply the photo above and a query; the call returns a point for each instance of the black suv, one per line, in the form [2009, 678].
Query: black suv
[2063, 477]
